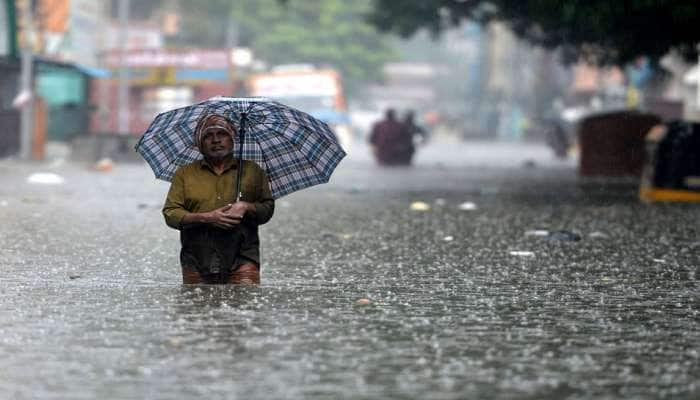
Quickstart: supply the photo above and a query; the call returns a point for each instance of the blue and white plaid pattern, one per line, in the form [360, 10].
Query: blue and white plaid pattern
[294, 149]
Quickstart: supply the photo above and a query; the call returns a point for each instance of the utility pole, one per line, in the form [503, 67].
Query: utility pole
[25, 81]
[123, 118]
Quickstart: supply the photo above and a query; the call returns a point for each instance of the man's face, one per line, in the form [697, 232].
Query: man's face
[216, 143]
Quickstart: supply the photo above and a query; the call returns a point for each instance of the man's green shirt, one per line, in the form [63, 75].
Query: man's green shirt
[196, 188]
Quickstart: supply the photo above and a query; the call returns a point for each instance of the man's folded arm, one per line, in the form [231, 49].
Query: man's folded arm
[174, 208]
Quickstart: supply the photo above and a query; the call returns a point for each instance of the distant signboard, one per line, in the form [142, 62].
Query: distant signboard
[171, 76]
[312, 84]
[199, 59]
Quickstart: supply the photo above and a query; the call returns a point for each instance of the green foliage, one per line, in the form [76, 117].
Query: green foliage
[325, 32]
[602, 31]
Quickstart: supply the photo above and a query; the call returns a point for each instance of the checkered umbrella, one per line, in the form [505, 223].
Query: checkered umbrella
[294, 149]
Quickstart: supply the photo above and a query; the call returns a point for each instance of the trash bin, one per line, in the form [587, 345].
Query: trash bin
[672, 170]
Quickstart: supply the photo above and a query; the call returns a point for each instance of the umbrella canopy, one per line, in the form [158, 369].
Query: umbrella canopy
[294, 149]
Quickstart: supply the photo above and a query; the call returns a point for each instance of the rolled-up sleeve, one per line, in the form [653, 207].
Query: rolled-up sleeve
[174, 207]
[265, 206]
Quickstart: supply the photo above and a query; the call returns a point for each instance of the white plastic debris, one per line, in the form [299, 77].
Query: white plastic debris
[522, 253]
[448, 238]
[537, 232]
[420, 206]
[45, 178]
[467, 206]
[597, 235]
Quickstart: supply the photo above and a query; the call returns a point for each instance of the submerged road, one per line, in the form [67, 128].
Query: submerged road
[492, 271]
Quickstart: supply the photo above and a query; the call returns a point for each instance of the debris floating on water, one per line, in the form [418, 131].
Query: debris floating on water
[467, 206]
[598, 235]
[420, 206]
[537, 232]
[104, 165]
[555, 236]
[522, 253]
[363, 302]
[448, 238]
[46, 178]
[564, 236]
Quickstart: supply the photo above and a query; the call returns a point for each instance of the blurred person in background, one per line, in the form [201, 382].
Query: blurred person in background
[391, 141]
[418, 134]
[219, 235]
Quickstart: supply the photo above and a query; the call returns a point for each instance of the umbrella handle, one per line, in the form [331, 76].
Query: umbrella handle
[241, 139]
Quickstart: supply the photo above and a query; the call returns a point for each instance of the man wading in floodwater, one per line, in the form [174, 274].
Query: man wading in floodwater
[219, 235]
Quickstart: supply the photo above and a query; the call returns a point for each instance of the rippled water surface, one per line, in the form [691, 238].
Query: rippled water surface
[463, 304]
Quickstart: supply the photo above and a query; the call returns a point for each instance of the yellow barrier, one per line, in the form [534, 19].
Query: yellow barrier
[651, 194]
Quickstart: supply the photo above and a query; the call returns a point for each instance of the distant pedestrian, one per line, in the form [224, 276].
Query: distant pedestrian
[391, 141]
[219, 235]
[417, 132]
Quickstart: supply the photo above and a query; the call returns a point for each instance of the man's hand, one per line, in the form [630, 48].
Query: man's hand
[224, 217]
[240, 208]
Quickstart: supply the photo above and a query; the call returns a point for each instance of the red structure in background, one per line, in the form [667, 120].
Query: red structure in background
[159, 80]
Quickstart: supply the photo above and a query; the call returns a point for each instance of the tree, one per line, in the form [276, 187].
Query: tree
[324, 32]
[601, 31]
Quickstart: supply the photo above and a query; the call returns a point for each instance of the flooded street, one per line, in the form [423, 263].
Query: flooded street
[513, 278]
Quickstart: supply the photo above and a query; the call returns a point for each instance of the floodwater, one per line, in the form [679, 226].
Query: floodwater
[464, 302]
